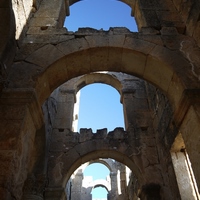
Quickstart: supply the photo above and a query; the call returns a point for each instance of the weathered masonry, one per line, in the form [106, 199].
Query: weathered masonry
[156, 72]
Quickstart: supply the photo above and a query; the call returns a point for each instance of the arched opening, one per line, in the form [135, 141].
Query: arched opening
[112, 181]
[97, 171]
[88, 144]
[100, 14]
[100, 108]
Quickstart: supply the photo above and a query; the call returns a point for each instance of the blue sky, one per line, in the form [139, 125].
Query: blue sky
[100, 107]
[100, 14]
[100, 104]
[97, 171]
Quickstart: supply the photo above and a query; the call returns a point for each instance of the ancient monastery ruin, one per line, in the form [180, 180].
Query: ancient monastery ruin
[157, 74]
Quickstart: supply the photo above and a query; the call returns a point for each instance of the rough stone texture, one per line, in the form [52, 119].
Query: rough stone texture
[165, 53]
[137, 144]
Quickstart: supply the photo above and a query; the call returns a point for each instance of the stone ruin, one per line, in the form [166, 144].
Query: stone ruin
[157, 74]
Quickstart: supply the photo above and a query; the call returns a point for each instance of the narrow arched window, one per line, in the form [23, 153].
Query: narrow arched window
[100, 108]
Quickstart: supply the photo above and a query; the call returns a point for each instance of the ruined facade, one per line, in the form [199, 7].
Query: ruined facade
[80, 186]
[156, 71]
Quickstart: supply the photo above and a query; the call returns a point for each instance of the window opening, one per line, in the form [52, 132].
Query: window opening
[100, 14]
[100, 108]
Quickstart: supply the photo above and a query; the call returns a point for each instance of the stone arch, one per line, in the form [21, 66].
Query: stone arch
[105, 78]
[71, 2]
[109, 78]
[89, 9]
[106, 162]
[103, 154]
[118, 53]
[72, 87]
[101, 183]
[62, 164]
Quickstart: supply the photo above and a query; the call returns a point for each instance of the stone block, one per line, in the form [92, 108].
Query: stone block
[45, 56]
[131, 43]
[49, 8]
[169, 31]
[116, 40]
[86, 31]
[169, 16]
[151, 153]
[63, 140]
[100, 134]
[43, 23]
[26, 50]
[151, 19]
[156, 39]
[61, 123]
[85, 135]
[115, 58]
[99, 59]
[149, 31]
[143, 119]
[72, 46]
[117, 134]
[119, 30]
[133, 61]
[97, 41]
[153, 72]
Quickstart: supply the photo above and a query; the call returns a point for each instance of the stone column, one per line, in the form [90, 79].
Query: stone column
[114, 189]
[65, 109]
[142, 135]
[136, 109]
[20, 116]
[77, 185]
[51, 14]
[189, 119]
[123, 180]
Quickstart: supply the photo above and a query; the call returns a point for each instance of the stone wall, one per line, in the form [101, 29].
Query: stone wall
[189, 12]
[164, 52]
[143, 141]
